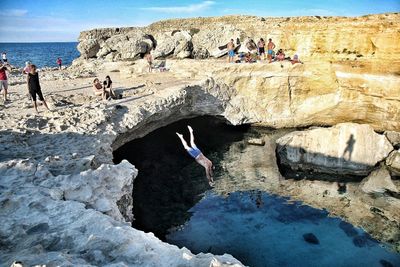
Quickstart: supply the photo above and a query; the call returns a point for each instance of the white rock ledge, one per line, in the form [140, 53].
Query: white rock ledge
[74, 220]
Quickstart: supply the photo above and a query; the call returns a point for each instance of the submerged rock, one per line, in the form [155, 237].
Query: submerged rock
[311, 238]
[347, 148]
[256, 141]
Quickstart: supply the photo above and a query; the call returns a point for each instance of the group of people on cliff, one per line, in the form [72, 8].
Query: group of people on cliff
[257, 52]
[34, 90]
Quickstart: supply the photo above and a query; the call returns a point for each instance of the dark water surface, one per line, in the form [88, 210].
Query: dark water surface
[40, 54]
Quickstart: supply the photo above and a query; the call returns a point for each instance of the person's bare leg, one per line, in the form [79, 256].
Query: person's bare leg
[185, 145]
[45, 104]
[35, 106]
[192, 144]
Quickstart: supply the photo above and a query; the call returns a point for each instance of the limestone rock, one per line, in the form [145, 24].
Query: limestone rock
[183, 44]
[201, 53]
[393, 137]
[346, 148]
[62, 232]
[165, 45]
[379, 181]
[393, 162]
[88, 48]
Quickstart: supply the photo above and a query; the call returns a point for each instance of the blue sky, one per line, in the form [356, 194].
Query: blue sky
[62, 20]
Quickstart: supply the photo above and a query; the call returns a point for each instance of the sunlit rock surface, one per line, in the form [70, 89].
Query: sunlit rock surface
[346, 148]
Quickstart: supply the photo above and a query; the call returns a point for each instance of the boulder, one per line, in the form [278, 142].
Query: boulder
[346, 149]
[165, 45]
[183, 44]
[130, 45]
[88, 48]
[393, 162]
[216, 36]
[393, 137]
[201, 53]
[378, 182]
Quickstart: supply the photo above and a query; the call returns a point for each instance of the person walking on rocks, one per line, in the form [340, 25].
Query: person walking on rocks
[231, 51]
[271, 47]
[195, 153]
[34, 88]
[3, 80]
[59, 63]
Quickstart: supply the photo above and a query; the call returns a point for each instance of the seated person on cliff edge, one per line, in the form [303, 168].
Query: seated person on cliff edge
[198, 156]
[99, 90]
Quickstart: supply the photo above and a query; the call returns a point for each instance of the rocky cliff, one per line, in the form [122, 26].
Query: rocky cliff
[328, 38]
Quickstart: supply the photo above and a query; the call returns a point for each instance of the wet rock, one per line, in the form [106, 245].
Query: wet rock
[311, 238]
[347, 148]
[393, 162]
[256, 141]
[378, 182]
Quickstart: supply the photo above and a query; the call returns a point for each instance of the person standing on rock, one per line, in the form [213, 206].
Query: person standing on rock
[261, 48]
[34, 88]
[149, 60]
[195, 153]
[3, 80]
[59, 63]
[231, 51]
[271, 47]
[26, 71]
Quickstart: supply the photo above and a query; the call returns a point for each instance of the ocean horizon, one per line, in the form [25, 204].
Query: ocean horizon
[42, 54]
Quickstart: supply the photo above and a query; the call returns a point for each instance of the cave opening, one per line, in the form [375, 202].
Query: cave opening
[169, 181]
[172, 199]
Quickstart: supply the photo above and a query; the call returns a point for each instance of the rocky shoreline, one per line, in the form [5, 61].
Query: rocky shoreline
[63, 202]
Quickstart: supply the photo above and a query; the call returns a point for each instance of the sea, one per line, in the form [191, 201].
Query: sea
[40, 54]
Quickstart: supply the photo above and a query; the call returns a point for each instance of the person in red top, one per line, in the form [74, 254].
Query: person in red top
[59, 63]
[3, 80]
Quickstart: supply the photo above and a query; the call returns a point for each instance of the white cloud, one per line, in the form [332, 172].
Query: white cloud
[13, 12]
[182, 9]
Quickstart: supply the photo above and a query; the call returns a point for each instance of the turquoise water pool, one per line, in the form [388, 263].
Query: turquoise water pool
[261, 229]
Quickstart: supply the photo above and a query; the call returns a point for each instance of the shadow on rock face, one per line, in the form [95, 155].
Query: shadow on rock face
[170, 182]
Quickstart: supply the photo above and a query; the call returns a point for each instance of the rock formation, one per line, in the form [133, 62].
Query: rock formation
[346, 148]
[330, 38]
[63, 203]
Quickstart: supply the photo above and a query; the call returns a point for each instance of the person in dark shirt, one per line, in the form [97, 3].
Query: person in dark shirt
[34, 87]
[108, 87]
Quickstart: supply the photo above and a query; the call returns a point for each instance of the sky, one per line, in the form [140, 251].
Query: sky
[62, 20]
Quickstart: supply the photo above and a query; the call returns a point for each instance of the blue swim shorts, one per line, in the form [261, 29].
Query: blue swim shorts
[231, 53]
[270, 52]
[194, 152]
